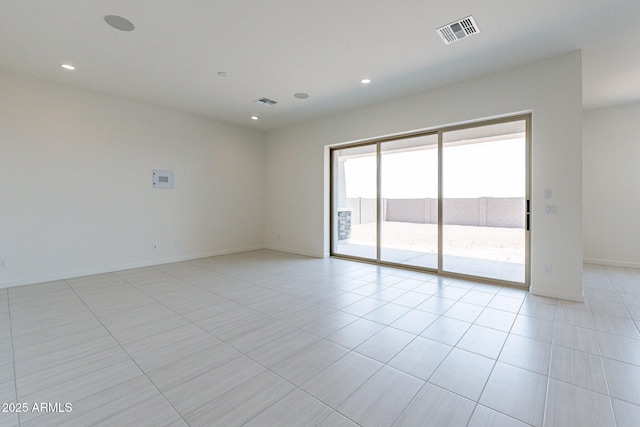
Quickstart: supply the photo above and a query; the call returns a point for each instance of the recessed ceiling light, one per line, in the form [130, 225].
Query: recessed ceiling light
[68, 67]
[119, 23]
[255, 117]
[222, 73]
[365, 81]
[301, 95]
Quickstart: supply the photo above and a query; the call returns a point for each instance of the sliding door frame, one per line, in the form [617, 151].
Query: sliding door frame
[527, 117]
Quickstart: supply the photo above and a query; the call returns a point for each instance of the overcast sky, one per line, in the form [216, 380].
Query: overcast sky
[490, 169]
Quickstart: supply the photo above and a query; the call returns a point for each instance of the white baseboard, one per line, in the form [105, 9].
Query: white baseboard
[611, 263]
[555, 294]
[149, 263]
[120, 267]
[297, 252]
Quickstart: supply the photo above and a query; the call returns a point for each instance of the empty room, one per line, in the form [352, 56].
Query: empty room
[297, 213]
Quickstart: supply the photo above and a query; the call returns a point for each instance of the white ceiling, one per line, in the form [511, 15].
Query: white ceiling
[276, 48]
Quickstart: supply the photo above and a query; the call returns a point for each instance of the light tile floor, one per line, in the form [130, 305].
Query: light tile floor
[266, 338]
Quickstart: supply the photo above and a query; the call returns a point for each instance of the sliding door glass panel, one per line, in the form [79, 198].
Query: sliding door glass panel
[484, 190]
[409, 190]
[354, 201]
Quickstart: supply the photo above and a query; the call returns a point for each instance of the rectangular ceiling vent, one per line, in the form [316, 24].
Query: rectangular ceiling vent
[266, 102]
[458, 30]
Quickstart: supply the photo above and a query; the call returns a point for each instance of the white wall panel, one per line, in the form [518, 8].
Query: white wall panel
[611, 153]
[76, 191]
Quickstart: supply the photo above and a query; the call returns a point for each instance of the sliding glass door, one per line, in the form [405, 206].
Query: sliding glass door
[452, 200]
[484, 201]
[409, 190]
[354, 212]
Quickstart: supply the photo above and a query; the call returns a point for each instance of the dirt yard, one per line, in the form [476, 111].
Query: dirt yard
[491, 243]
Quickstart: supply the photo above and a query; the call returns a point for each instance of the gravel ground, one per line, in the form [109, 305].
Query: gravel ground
[491, 243]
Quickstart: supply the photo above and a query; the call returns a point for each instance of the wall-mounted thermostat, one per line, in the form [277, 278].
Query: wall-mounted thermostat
[162, 179]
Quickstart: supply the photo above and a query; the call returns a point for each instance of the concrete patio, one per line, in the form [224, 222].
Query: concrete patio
[492, 252]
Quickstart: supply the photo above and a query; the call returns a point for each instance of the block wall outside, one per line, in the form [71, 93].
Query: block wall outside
[506, 212]
[363, 210]
[483, 212]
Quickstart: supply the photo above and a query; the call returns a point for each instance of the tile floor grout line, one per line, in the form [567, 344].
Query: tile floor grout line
[40, 416]
[548, 378]
[604, 371]
[495, 363]
[242, 353]
[288, 288]
[126, 352]
[300, 351]
[496, 360]
[413, 399]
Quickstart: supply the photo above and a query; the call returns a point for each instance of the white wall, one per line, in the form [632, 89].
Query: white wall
[297, 218]
[611, 185]
[75, 183]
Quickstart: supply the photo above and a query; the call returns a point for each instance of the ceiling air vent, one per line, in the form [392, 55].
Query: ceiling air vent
[458, 30]
[266, 102]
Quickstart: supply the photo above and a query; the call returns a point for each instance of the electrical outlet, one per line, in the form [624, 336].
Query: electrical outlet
[547, 269]
[154, 246]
